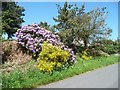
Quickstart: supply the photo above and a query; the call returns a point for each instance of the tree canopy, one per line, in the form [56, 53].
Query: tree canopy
[11, 18]
[76, 25]
[47, 26]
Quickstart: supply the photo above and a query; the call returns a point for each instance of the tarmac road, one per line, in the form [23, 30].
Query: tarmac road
[106, 77]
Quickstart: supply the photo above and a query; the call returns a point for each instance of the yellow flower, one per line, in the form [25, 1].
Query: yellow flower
[51, 57]
[85, 55]
[58, 64]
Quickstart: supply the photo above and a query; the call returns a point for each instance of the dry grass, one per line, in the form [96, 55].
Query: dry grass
[13, 56]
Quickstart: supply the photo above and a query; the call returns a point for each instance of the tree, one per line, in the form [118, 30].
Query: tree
[11, 18]
[76, 25]
[91, 26]
[65, 13]
[47, 26]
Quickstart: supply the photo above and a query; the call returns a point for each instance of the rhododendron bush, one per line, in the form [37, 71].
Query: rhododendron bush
[32, 37]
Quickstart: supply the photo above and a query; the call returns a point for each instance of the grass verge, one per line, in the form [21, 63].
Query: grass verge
[31, 77]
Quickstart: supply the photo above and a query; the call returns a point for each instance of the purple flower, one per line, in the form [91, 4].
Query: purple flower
[31, 37]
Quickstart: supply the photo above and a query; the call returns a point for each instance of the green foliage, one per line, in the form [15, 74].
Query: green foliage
[2, 39]
[18, 77]
[51, 57]
[32, 77]
[108, 46]
[47, 26]
[110, 49]
[65, 13]
[11, 18]
[77, 25]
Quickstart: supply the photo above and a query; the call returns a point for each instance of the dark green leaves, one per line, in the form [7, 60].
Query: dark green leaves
[11, 18]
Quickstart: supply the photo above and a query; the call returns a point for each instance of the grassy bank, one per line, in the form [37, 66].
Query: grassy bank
[31, 77]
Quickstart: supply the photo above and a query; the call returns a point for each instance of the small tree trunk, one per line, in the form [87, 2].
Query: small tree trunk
[9, 36]
[85, 44]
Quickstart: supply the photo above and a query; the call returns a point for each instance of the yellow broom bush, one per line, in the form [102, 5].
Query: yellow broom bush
[51, 57]
[85, 55]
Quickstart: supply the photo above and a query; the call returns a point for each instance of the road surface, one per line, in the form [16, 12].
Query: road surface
[106, 77]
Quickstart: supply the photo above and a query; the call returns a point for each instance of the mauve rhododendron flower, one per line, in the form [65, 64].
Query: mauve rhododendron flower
[32, 36]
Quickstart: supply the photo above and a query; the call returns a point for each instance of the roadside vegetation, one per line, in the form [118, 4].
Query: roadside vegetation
[41, 54]
[28, 77]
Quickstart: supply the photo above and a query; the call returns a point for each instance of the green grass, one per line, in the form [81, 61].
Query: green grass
[32, 77]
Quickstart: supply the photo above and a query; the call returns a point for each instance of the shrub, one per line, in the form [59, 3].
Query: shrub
[110, 49]
[107, 46]
[85, 55]
[31, 38]
[12, 57]
[52, 57]
[97, 53]
[6, 51]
